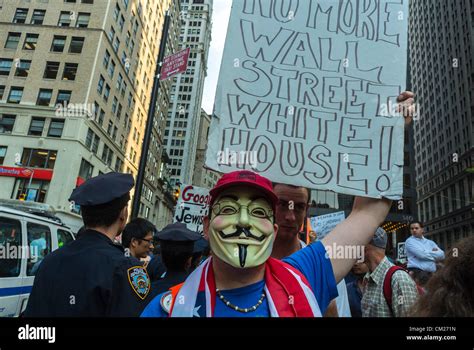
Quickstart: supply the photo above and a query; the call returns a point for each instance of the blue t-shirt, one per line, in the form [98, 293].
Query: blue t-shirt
[312, 262]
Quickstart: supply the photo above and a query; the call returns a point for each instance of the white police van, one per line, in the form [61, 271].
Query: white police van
[27, 234]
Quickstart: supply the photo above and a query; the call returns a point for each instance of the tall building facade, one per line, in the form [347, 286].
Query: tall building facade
[203, 177]
[442, 75]
[184, 114]
[75, 86]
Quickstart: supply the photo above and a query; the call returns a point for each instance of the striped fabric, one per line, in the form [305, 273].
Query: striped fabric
[287, 290]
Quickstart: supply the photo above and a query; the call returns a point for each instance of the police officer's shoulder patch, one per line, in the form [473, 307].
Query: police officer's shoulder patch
[165, 301]
[139, 281]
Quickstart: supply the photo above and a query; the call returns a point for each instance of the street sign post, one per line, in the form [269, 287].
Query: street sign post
[175, 64]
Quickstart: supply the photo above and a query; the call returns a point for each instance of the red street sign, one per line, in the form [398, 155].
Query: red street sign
[175, 64]
[39, 174]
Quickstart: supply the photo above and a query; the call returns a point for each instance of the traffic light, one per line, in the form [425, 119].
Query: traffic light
[177, 192]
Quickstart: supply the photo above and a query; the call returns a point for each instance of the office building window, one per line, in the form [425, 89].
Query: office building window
[70, 71]
[16, 93]
[101, 117]
[92, 141]
[56, 128]
[31, 41]
[106, 93]
[3, 153]
[64, 97]
[110, 127]
[20, 15]
[114, 105]
[7, 121]
[23, 68]
[83, 20]
[111, 69]
[36, 126]
[116, 12]
[111, 34]
[118, 164]
[89, 138]
[106, 60]
[40, 158]
[86, 170]
[100, 85]
[107, 155]
[44, 97]
[58, 43]
[51, 70]
[38, 16]
[12, 40]
[119, 82]
[77, 43]
[5, 66]
[65, 18]
[121, 23]
[2, 91]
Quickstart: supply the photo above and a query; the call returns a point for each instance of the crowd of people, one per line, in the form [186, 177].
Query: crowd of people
[251, 261]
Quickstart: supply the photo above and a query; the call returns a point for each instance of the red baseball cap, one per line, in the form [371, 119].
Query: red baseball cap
[247, 178]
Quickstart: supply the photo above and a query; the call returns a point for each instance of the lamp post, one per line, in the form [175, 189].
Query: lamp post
[151, 115]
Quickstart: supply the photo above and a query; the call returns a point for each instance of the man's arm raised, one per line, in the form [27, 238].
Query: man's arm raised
[357, 230]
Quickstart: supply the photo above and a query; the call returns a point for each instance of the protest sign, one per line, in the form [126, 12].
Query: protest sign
[307, 94]
[324, 224]
[192, 206]
[401, 252]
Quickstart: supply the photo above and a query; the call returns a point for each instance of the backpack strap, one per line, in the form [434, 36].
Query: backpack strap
[387, 285]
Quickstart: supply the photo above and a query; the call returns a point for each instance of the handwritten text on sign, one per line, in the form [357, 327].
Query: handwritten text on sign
[192, 206]
[324, 224]
[309, 88]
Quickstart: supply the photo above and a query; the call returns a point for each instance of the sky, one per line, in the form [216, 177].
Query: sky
[220, 20]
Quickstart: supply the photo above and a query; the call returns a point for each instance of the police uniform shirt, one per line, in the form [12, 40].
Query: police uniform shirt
[90, 277]
[171, 279]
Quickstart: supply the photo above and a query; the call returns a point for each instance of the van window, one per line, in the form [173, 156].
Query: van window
[10, 247]
[64, 238]
[39, 241]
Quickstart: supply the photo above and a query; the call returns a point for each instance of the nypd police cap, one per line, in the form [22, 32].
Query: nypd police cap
[178, 232]
[102, 189]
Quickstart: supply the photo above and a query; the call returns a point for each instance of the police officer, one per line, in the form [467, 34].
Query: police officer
[92, 277]
[177, 245]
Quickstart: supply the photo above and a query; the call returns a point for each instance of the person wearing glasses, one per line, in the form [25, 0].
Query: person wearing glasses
[137, 238]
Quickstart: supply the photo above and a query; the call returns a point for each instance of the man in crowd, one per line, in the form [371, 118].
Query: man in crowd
[389, 290]
[177, 246]
[355, 288]
[422, 253]
[137, 238]
[91, 277]
[291, 211]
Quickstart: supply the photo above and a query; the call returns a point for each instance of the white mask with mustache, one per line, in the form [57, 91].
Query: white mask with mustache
[241, 227]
